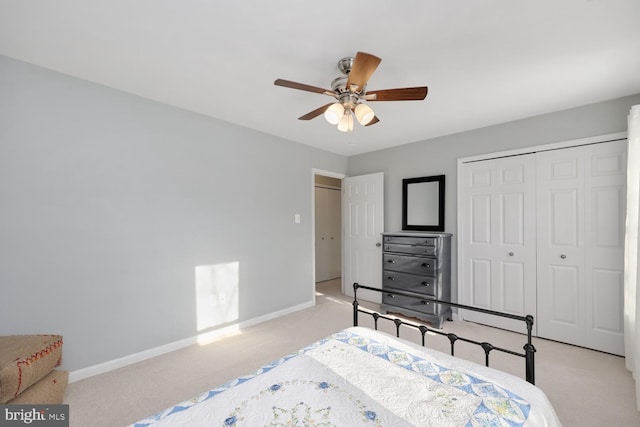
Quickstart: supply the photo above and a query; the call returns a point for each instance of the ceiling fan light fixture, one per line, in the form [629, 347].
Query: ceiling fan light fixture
[334, 113]
[364, 114]
[346, 122]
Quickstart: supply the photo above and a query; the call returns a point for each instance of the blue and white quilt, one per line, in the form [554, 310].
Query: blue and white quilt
[361, 377]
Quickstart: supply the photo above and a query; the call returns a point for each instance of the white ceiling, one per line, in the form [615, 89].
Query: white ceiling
[485, 62]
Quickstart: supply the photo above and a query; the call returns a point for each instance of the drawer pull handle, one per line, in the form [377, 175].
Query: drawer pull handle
[427, 284]
[425, 265]
[391, 278]
[391, 295]
[392, 261]
[563, 256]
[424, 302]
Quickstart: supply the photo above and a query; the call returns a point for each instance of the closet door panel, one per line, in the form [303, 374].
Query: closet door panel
[560, 222]
[480, 219]
[563, 217]
[480, 283]
[565, 290]
[561, 310]
[498, 239]
[478, 268]
[608, 298]
[513, 219]
[604, 221]
[511, 269]
[581, 202]
[608, 229]
[513, 292]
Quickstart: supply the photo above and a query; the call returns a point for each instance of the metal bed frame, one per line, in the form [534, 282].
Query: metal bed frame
[529, 349]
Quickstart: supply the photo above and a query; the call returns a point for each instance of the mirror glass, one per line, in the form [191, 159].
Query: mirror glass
[423, 203]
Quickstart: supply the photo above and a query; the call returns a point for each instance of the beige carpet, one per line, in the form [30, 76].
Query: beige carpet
[587, 388]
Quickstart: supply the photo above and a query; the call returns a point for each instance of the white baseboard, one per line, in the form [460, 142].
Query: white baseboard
[120, 362]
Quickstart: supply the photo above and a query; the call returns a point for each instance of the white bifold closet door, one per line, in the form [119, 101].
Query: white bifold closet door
[543, 234]
[581, 205]
[498, 247]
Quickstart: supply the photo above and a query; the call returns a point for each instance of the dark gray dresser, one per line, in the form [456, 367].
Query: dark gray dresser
[421, 263]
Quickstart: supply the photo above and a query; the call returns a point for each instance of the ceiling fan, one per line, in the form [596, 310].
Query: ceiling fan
[350, 92]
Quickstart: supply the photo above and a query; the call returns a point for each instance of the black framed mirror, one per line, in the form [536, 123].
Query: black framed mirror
[423, 203]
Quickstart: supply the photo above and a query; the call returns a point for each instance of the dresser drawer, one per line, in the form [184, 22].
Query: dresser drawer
[410, 249]
[409, 282]
[409, 264]
[408, 240]
[423, 306]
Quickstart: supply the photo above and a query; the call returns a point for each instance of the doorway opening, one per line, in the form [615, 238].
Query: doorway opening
[328, 232]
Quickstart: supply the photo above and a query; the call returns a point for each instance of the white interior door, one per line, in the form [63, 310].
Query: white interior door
[363, 224]
[561, 245]
[605, 182]
[498, 239]
[581, 204]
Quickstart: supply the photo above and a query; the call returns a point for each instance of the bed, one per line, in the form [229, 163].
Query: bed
[363, 377]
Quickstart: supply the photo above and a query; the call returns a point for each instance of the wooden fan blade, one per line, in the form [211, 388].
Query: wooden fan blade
[404, 94]
[373, 121]
[362, 69]
[302, 86]
[315, 113]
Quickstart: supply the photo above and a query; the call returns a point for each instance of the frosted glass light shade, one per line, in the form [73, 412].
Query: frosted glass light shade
[364, 113]
[346, 122]
[334, 113]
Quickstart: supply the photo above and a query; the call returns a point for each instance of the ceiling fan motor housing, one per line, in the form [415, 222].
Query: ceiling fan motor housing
[339, 84]
[345, 64]
[348, 100]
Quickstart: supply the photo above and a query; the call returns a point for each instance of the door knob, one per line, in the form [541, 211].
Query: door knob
[378, 244]
[563, 256]
[510, 253]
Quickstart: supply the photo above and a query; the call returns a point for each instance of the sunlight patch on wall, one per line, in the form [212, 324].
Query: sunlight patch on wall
[216, 294]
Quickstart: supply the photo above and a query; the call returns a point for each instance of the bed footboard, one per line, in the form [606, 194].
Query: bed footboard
[529, 349]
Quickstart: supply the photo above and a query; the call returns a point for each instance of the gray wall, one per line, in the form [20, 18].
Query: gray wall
[438, 156]
[109, 201]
